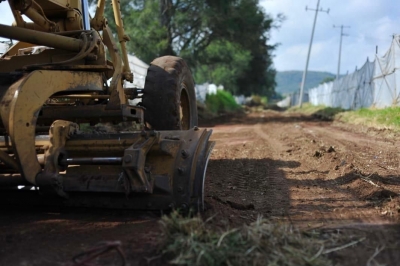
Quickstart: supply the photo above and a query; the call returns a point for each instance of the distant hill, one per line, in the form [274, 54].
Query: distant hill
[290, 81]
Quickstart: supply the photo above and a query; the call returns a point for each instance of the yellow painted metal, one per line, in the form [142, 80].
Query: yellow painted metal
[98, 22]
[41, 38]
[116, 89]
[19, 21]
[123, 38]
[65, 14]
[39, 19]
[52, 6]
[23, 101]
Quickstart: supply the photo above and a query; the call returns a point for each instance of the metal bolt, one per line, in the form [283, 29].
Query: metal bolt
[127, 158]
[185, 154]
[196, 128]
[181, 170]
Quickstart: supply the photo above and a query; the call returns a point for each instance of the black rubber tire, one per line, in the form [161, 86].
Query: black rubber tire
[169, 96]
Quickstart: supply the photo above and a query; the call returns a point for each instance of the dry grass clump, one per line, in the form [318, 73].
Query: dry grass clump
[190, 241]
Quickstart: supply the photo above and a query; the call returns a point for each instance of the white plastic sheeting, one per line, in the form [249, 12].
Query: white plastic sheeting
[284, 103]
[293, 99]
[139, 70]
[240, 99]
[375, 84]
[387, 76]
[352, 91]
[201, 92]
[3, 48]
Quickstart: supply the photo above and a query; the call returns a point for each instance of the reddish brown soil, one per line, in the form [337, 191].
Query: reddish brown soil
[285, 167]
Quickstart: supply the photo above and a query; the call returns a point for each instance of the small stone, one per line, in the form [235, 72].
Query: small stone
[331, 149]
[318, 154]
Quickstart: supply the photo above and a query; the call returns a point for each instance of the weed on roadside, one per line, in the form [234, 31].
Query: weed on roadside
[191, 241]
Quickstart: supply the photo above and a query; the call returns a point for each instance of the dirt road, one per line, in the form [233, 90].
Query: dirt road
[285, 167]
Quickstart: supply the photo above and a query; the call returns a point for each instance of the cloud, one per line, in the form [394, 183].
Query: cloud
[372, 23]
[6, 15]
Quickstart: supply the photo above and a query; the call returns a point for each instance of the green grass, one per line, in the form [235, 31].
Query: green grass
[221, 102]
[191, 241]
[257, 100]
[371, 117]
[380, 118]
[320, 111]
[306, 108]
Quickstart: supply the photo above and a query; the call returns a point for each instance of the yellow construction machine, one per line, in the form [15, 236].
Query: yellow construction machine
[63, 102]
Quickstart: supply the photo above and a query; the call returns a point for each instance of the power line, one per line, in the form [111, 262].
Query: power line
[340, 46]
[309, 50]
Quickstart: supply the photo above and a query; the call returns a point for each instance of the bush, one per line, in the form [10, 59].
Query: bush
[257, 100]
[221, 102]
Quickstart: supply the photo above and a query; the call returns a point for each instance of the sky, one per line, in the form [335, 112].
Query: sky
[372, 23]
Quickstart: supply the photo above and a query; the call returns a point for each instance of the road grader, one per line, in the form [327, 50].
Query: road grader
[63, 78]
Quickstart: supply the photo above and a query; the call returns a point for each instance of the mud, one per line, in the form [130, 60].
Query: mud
[286, 167]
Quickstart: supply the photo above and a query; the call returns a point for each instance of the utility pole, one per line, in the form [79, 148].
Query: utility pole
[309, 50]
[340, 46]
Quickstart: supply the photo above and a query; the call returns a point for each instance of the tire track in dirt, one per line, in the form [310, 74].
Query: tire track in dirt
[252, 178]
[325, 192]
[309, 192]
[288, 158]
[278, 148]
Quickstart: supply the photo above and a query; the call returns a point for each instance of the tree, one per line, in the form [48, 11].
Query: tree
[223, 62]
[327, 79]
[223, 41]
[246, 24]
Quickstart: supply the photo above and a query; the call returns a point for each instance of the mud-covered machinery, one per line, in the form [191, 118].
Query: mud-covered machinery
[65, 115]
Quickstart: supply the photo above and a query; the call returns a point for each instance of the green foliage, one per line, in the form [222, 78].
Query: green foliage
[378, 118]
[387, 117]
[257, 100]
[328, 113]
[226, 37]
[148, 38]
[245, 23]
[306, 108]
[221, 102]
[319, 111]
[190, 241]
[261, 100]
[327, 79]
[224, 61]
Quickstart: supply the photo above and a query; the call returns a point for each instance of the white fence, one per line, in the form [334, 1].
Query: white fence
[376, 84]
[293, 99]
